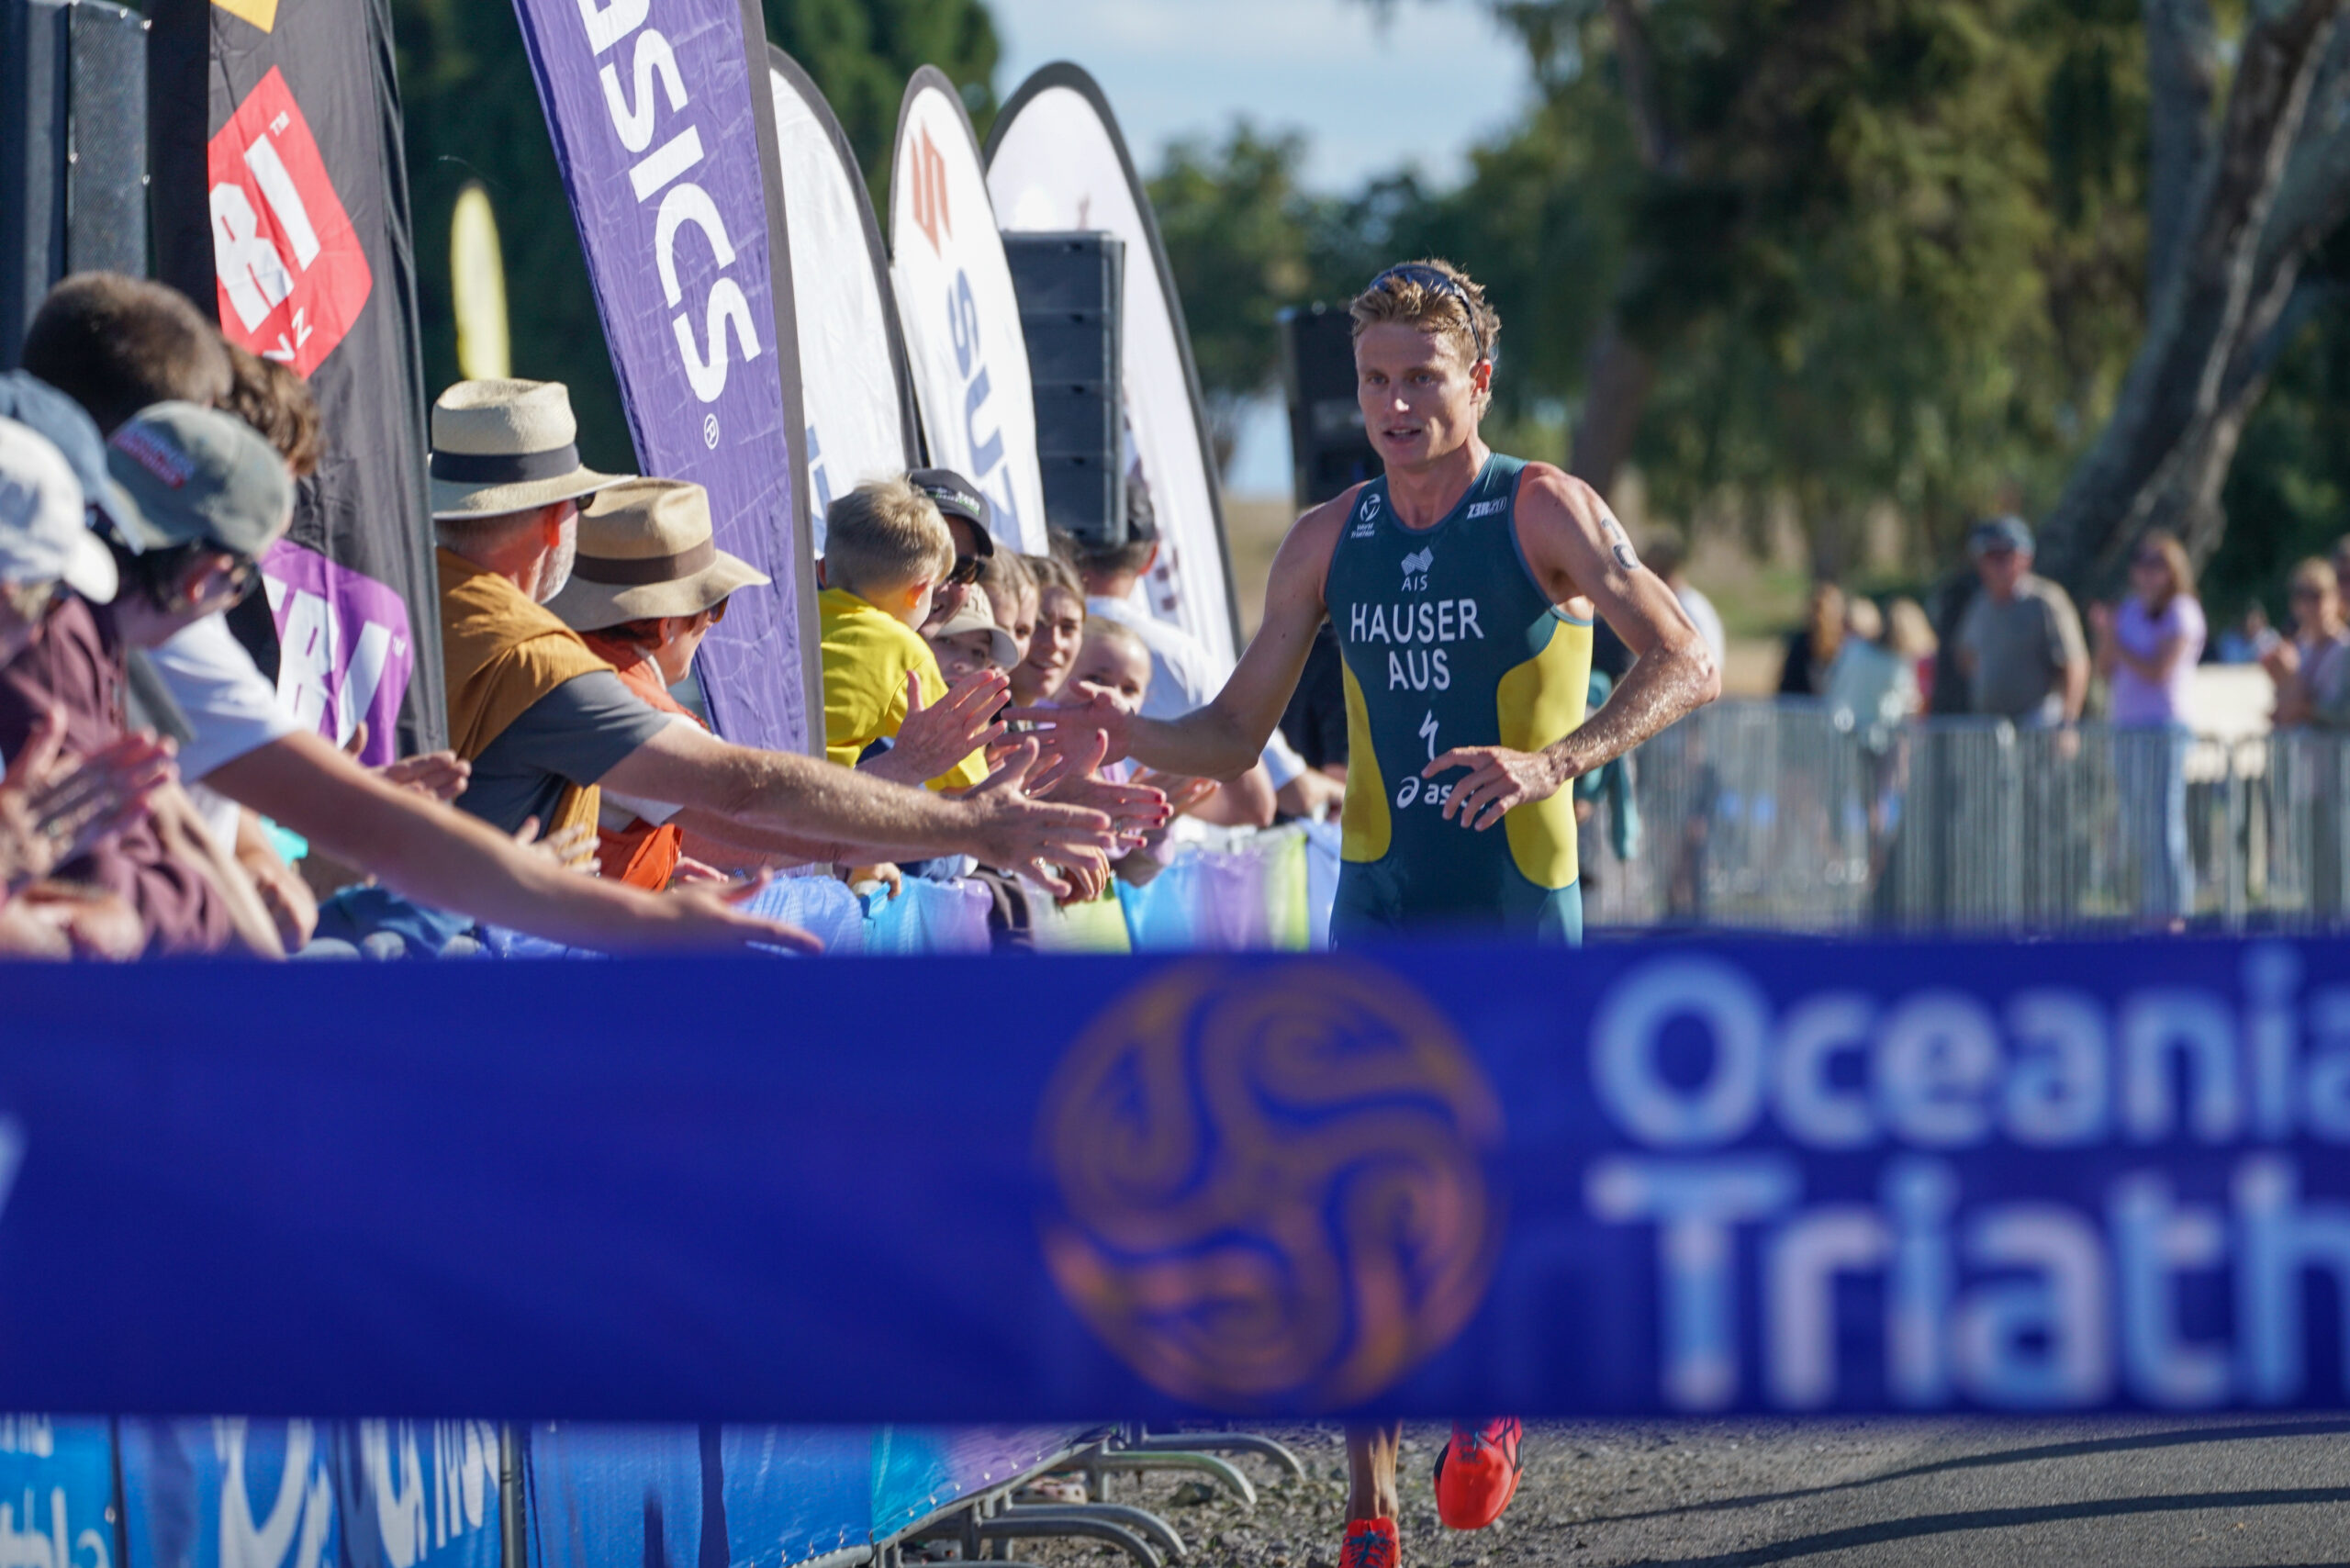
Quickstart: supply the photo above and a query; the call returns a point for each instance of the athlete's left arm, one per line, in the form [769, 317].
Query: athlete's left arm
[1578, 550]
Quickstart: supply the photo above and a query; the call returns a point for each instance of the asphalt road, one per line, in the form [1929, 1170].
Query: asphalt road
[2206, 1491]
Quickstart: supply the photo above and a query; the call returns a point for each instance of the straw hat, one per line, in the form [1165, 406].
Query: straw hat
[504, 446]
[647, 549]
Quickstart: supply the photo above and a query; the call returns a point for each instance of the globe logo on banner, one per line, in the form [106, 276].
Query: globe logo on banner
[293, 275]
[1269, 1186]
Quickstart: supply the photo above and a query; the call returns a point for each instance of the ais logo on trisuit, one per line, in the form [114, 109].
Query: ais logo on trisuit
[293, 275]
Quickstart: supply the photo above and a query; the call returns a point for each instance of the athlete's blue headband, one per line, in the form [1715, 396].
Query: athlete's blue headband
[1444, 283]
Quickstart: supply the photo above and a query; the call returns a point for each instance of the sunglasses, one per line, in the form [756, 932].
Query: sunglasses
[965, 572]
[2149, 561]
[717, 612]
[1443, 282]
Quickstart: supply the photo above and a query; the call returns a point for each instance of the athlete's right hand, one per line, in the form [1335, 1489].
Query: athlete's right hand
[1074, 728]
[1008, 828]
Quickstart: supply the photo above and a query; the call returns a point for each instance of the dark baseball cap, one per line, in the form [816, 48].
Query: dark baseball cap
[201, 477]
[2000, 533]
[956, 497]
[32, 402]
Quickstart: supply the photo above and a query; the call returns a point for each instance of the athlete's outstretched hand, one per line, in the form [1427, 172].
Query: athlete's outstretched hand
[1499, 778]
[1072, 728]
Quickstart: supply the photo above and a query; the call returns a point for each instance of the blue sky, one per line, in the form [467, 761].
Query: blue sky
[1419, 86]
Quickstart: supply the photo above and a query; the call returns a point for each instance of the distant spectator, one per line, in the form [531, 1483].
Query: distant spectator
[1909, 632]
[545, 721]
[2020, 642]
[965, 512]
[970, 642]
[2312, 668]
[1012, 597]
[1668, 557]
[1183, 676]
[2248, 641]
[2147, 650]
[886, 551]
[1870, 686]
[1812, 648]
[1059, 632]
[204, 496]
[56, 806]
[647, 585]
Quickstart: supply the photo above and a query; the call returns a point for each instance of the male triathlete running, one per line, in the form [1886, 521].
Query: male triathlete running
[1461, 586]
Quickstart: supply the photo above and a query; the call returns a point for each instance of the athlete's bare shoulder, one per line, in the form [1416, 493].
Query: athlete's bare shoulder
[1302, 564]
[1570, 537]
[1556, 496]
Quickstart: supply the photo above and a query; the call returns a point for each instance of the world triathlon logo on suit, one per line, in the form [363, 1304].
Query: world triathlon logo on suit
[1270, 1187]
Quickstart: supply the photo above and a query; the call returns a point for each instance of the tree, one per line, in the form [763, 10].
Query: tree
[1236, 227]
[2237, 209]
[473, 113]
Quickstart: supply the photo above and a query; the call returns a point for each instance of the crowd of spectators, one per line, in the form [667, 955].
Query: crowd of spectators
[158, 799]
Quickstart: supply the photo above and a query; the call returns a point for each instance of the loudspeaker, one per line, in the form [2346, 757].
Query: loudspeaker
[72, 149]
[1072, 290]
[1329, 448]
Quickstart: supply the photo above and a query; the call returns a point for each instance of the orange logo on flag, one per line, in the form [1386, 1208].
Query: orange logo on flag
[293, 275]
[929, 173]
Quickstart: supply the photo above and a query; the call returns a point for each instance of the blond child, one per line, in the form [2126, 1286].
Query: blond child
[886, 551]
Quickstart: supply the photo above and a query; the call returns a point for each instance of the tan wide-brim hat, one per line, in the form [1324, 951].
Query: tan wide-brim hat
[647, 549]
[504, 446]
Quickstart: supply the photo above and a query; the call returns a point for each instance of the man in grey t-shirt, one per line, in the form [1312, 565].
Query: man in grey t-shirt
[2020, 642]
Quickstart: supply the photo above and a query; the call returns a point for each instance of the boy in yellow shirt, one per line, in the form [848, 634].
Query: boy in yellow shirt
[886, 551]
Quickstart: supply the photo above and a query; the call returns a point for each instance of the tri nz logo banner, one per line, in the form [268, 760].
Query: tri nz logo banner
[293, 273]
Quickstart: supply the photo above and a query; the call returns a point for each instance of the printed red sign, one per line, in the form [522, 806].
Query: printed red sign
[293, 275]
[929, 173]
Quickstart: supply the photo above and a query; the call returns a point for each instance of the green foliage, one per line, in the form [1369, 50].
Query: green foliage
[473, 113]
[1894, 256]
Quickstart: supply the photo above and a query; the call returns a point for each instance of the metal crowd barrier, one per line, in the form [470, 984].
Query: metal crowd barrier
[1786, 816]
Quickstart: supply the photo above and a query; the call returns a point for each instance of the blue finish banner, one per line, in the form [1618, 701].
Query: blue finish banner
[664, 130]
[610, 1496]
[56, 1493]
[236, 1493]
[1638, 1179]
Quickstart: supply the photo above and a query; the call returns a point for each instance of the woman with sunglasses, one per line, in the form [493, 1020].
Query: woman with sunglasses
[2146, 651]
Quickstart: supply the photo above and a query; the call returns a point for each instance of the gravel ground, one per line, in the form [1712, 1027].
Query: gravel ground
[2210, 1491]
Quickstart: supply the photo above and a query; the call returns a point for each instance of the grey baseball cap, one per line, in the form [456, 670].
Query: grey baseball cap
[33, 402]
[956, 497]
[2000, 533]
[199, 477]
[44, 535]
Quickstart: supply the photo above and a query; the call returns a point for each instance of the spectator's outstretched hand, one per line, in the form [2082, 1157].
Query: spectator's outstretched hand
[574, 848]
[1087, 877]
[1073, 729]
[1134, 809]
[54, 809]
[436, 775]
[1011, 830]
[1184, 792]
[715, 921]
[936, 738]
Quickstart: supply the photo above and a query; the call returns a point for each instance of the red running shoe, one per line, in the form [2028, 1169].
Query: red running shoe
[1370, 1543]
[1476, 1474]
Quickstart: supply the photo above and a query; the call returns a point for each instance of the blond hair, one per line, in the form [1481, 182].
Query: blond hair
[1052, 572]
[1101, 628]
[1912, 633]
[885, 534]
[2175, 563]
[1460, 312]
